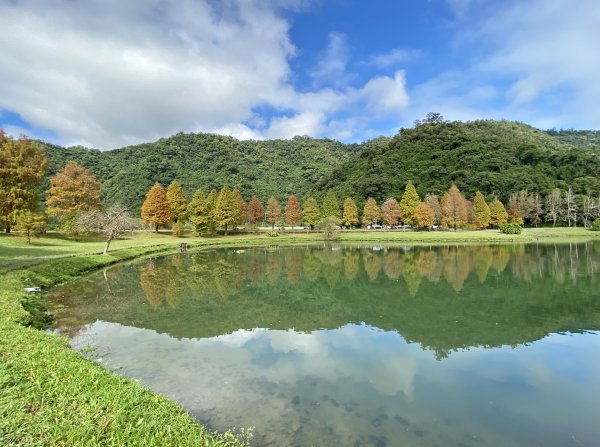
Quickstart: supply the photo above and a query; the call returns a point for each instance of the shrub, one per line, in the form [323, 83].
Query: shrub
[178, 229]
[330, 226]
[272, 233]
[511, 228]
[596, 225]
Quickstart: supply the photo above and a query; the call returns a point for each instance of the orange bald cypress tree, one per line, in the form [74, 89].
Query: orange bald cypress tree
[73, 190]
[156, 209]
[273, 211]
[293, 213]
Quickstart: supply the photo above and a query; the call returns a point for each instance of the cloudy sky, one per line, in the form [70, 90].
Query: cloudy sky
[107, 73]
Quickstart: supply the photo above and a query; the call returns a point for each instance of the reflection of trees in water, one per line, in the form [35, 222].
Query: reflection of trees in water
[293, 265]
[410, 273]
[351, 264]
[273, 266]
[372, 263]
[331, 264]
[223, 273]
[154, 279]
[392, 264]
[311, 265]
[482, 260]
[456, 266]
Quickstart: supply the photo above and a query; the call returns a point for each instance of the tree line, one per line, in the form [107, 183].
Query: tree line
[74, 200]
[228, 210]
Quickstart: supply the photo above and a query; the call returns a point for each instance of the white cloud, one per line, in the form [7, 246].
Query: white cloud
[385, 94]
[536, 61]
[394, 57]
[331, 66]
[113, 73]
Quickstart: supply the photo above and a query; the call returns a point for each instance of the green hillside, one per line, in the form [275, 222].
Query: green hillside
[263, 168]
[496, 157]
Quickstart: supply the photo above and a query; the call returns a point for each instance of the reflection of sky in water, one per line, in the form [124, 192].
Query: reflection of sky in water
[361, 386]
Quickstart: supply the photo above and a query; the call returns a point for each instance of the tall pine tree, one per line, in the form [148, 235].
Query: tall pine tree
[350, 216]
[311, 212]
[481, 211]
[293, 213]
[23, 164]
[227, 211]
[177, 202]
[155, 209]
[273, 211]
[331, 206]
[409, 203]
[371, 212]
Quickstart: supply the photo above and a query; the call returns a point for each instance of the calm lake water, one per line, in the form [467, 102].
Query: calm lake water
[332, 346]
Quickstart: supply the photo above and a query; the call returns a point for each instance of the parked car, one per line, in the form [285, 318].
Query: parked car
[374, 227]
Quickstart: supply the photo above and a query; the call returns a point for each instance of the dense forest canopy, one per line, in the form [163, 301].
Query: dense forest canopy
[495, 157]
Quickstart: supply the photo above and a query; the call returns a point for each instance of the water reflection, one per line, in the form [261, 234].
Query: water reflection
[363, 347]
[444, 298]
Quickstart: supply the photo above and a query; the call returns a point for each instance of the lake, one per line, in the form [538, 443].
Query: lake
[358, 346]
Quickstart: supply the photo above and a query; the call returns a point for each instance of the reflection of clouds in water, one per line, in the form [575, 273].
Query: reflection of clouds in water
[357, 353]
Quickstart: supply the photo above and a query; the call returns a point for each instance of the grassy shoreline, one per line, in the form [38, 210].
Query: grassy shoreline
[52, 395]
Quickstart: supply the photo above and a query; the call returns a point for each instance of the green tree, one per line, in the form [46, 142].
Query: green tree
[481, 211]
[293, 213]
[23, 164]
[350, 217]
[273, 211]
[211, 203]
[371, 212]
[199, 214]
[311, 212]
[156, 210]
[331, 206]
[29, 223]
[409, 203]
[226, 212]
[242, 207]
[498, 214]
[177, 202]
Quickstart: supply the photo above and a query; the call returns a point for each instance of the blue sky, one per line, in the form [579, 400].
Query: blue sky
[109, 73]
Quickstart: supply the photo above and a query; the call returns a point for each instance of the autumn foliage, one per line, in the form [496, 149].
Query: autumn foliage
[156, 210]
[74, 189]
[293, 213]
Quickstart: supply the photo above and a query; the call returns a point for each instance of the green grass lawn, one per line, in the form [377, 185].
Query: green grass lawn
[52, 395]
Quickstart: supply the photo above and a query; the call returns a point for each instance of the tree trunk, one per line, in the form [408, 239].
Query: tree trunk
[7, 228]
[225, 230]
[156, 228]
[108, 241]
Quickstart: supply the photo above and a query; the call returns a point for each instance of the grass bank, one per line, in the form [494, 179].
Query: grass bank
[52, 395]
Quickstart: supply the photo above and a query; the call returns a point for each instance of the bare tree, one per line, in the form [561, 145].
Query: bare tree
[570, 208]
[111, 223]
[554, 205]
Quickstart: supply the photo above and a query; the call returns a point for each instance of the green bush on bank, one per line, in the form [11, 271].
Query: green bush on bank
[511, 228]
[596, 225]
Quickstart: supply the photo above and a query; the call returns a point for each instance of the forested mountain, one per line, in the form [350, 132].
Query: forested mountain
[583, 139]
[496, 157]
[263, 168]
